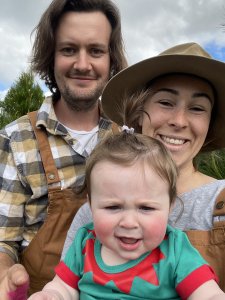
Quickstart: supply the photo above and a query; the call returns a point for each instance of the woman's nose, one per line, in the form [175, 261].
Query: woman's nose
[179, 118]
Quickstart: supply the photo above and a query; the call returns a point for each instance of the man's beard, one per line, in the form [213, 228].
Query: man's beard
[81, 102]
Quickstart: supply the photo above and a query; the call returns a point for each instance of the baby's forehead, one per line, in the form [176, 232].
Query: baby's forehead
[105, 163]
[140, 167]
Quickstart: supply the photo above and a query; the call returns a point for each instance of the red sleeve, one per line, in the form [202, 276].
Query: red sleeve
[67, 275]
[194, 280]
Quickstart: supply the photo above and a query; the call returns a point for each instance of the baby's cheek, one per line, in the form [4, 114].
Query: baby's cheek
[158, 231]
[102, 227]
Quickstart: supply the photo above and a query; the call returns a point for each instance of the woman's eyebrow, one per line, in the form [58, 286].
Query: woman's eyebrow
[201, 94]
[175, 92]
[169, 90]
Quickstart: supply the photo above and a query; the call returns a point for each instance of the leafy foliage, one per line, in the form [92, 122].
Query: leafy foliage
[24, 96]
[212, 163]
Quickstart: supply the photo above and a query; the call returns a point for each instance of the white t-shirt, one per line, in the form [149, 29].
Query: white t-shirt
[87, 140]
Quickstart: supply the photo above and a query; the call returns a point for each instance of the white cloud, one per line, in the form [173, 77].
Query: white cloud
[149, 27]
[17, 20]
[152, 26]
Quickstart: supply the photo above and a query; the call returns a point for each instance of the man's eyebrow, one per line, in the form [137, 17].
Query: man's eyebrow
[65, 43]
[98, 45]
[74, 44]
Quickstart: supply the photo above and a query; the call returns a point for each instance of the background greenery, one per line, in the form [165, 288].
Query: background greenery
[25, 95]
[212, 163]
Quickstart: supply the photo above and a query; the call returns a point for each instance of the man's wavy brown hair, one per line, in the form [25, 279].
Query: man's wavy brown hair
[42, 60]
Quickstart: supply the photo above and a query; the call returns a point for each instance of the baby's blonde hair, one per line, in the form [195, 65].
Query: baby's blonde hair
[126, 149]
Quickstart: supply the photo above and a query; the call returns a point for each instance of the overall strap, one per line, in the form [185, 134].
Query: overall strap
[219, 209]
[51, 171]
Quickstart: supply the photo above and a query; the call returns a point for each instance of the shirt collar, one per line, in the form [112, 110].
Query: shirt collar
[47, 118]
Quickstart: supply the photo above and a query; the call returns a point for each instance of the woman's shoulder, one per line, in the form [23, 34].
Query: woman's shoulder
[200, 182]
[214, 186]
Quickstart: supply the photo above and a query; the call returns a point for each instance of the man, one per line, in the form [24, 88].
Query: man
[78, 47]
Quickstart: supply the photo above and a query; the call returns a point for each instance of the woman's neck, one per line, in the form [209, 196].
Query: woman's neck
[189, 178]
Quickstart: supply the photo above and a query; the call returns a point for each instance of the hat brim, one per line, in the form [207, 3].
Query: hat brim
[138, 75]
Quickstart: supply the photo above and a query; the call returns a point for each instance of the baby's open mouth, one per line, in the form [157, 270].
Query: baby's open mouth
[128, 240]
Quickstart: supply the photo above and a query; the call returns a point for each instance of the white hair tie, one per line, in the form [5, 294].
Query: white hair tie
[127, 129]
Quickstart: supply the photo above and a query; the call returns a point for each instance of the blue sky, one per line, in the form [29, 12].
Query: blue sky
[149, 27]
[217, 52]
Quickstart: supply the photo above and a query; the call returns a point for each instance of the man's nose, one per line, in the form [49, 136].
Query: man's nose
[82, 62]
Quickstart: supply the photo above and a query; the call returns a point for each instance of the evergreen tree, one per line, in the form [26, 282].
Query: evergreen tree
[24, 96]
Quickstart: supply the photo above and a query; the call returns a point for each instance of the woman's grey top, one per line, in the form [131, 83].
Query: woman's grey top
[192, 210]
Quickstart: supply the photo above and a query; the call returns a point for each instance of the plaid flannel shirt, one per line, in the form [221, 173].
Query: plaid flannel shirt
[23, 187]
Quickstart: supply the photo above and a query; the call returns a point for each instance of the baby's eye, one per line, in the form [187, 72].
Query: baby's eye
[112, 207]
[146, 208]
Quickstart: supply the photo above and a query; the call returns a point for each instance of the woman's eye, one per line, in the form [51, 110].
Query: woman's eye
[197, 108]
[165, 103]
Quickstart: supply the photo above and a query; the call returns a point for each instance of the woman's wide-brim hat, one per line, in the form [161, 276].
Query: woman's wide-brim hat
[187, 58]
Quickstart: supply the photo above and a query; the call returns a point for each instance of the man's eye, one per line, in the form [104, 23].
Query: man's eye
[67, 51]
[96, 52]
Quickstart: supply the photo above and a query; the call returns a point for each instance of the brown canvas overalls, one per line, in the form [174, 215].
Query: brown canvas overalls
[211, 244]
[44, 251]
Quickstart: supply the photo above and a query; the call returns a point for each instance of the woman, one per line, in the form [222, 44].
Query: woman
[178, 98]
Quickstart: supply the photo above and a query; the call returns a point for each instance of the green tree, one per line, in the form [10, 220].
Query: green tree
[25, 95]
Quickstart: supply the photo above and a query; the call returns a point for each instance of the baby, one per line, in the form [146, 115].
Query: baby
[129, 251]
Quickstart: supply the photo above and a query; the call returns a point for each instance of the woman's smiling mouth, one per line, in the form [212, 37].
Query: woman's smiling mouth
[172, 140]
